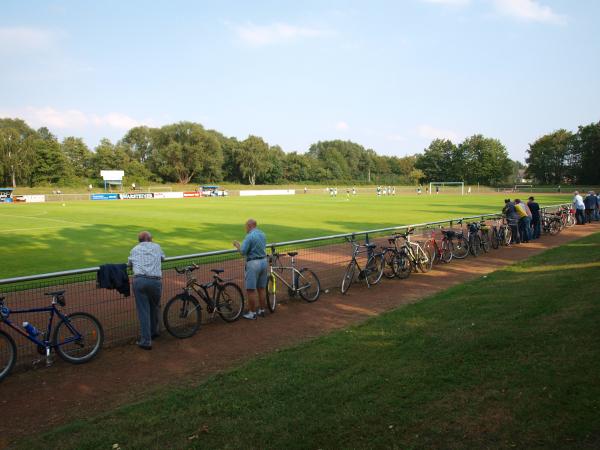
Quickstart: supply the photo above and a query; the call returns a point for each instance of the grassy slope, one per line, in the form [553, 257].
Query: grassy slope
[47, 237]
[510, 360]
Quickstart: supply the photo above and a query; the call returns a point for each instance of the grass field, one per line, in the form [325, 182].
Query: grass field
[508, 360]
[48, 237]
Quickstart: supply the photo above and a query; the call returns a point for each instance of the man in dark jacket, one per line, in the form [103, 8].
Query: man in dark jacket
[534, 207]
[512, 219]
[590, 202]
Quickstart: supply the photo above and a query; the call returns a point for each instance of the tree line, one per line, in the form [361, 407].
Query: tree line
[563, 157]
[186, 152]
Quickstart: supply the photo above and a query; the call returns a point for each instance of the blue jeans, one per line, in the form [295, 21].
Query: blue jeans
[580, 216]
[537, 229]
[525, 228]
[147, 293]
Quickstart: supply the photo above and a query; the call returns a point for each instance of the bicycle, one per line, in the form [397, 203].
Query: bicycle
[461, 250]
[395, 261]
[473, 238]
[551, 223]
[371, 273]
[182, 314]
[435, 251]
[304, 281]
[77, 338]
[484, 236]
[416, 254]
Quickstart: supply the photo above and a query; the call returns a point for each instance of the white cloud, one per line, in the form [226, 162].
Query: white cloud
[26, 39]
[342, 126]
[429, 132]
[73, 119]
[529, 10]
[449, 2]
[260, 35]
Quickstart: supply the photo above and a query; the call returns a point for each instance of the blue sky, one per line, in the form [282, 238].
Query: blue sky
[391, 75]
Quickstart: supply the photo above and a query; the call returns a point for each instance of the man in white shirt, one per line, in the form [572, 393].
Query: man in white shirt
[145, 260]
[579, 208]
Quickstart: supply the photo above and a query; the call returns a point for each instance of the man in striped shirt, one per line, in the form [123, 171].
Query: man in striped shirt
[145, 260]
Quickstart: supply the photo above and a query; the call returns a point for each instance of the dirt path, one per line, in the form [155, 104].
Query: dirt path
[40, 399]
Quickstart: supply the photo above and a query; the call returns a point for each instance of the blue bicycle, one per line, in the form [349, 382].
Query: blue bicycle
[77, 337]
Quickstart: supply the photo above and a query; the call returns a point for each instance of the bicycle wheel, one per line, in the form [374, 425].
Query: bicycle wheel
[446, 255]
[374, 269]
[423, 260]
[8, 354]
[348, 276]
[507, 236]
[230, 302]
[430, 251]
[554, 227]
[495, 239]
[403, 266]
[272, 293]
[389, 260]
[461, 249]
[78, 337]
[308, 285]
[182, 316]
[485, 241]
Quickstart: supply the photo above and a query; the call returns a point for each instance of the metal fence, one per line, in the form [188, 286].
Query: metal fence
[327, 256]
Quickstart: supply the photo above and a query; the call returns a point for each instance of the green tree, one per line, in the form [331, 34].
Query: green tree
[548, 157]
[78, 156]
[16, 150]
[416, 176]
[487, 160]
[437, 160]
[50, 164]
[253, 158]
[185, 151]
[585, 154]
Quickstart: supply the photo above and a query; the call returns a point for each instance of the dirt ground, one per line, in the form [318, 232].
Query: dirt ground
[37, 400]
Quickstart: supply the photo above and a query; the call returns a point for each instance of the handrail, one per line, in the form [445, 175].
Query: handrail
[85, 270]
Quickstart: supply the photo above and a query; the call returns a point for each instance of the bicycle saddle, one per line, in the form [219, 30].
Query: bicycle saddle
[449, 233]
[370, 245]
[56, 293]
[292, 254]
[217, 271]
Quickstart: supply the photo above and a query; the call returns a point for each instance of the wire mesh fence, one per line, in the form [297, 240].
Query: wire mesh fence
[326, 256]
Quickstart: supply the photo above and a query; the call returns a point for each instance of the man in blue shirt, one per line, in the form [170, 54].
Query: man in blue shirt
[253, 248]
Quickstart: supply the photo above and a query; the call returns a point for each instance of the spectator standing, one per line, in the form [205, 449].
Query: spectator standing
[590, 203]
[536, 223]
[579, 208]
[524, 220]
[145, 259]
[512, 218]
[253, 248]
[597, 207]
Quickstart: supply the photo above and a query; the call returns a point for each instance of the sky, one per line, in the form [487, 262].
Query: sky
[390, 75]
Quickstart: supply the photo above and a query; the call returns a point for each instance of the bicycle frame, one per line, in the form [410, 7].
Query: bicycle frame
[53, 310]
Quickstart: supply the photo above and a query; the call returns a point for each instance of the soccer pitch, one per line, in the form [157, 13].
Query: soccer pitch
[48, 237]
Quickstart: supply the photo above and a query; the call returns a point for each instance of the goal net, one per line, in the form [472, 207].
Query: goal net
[447, 187]
[523, 188]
